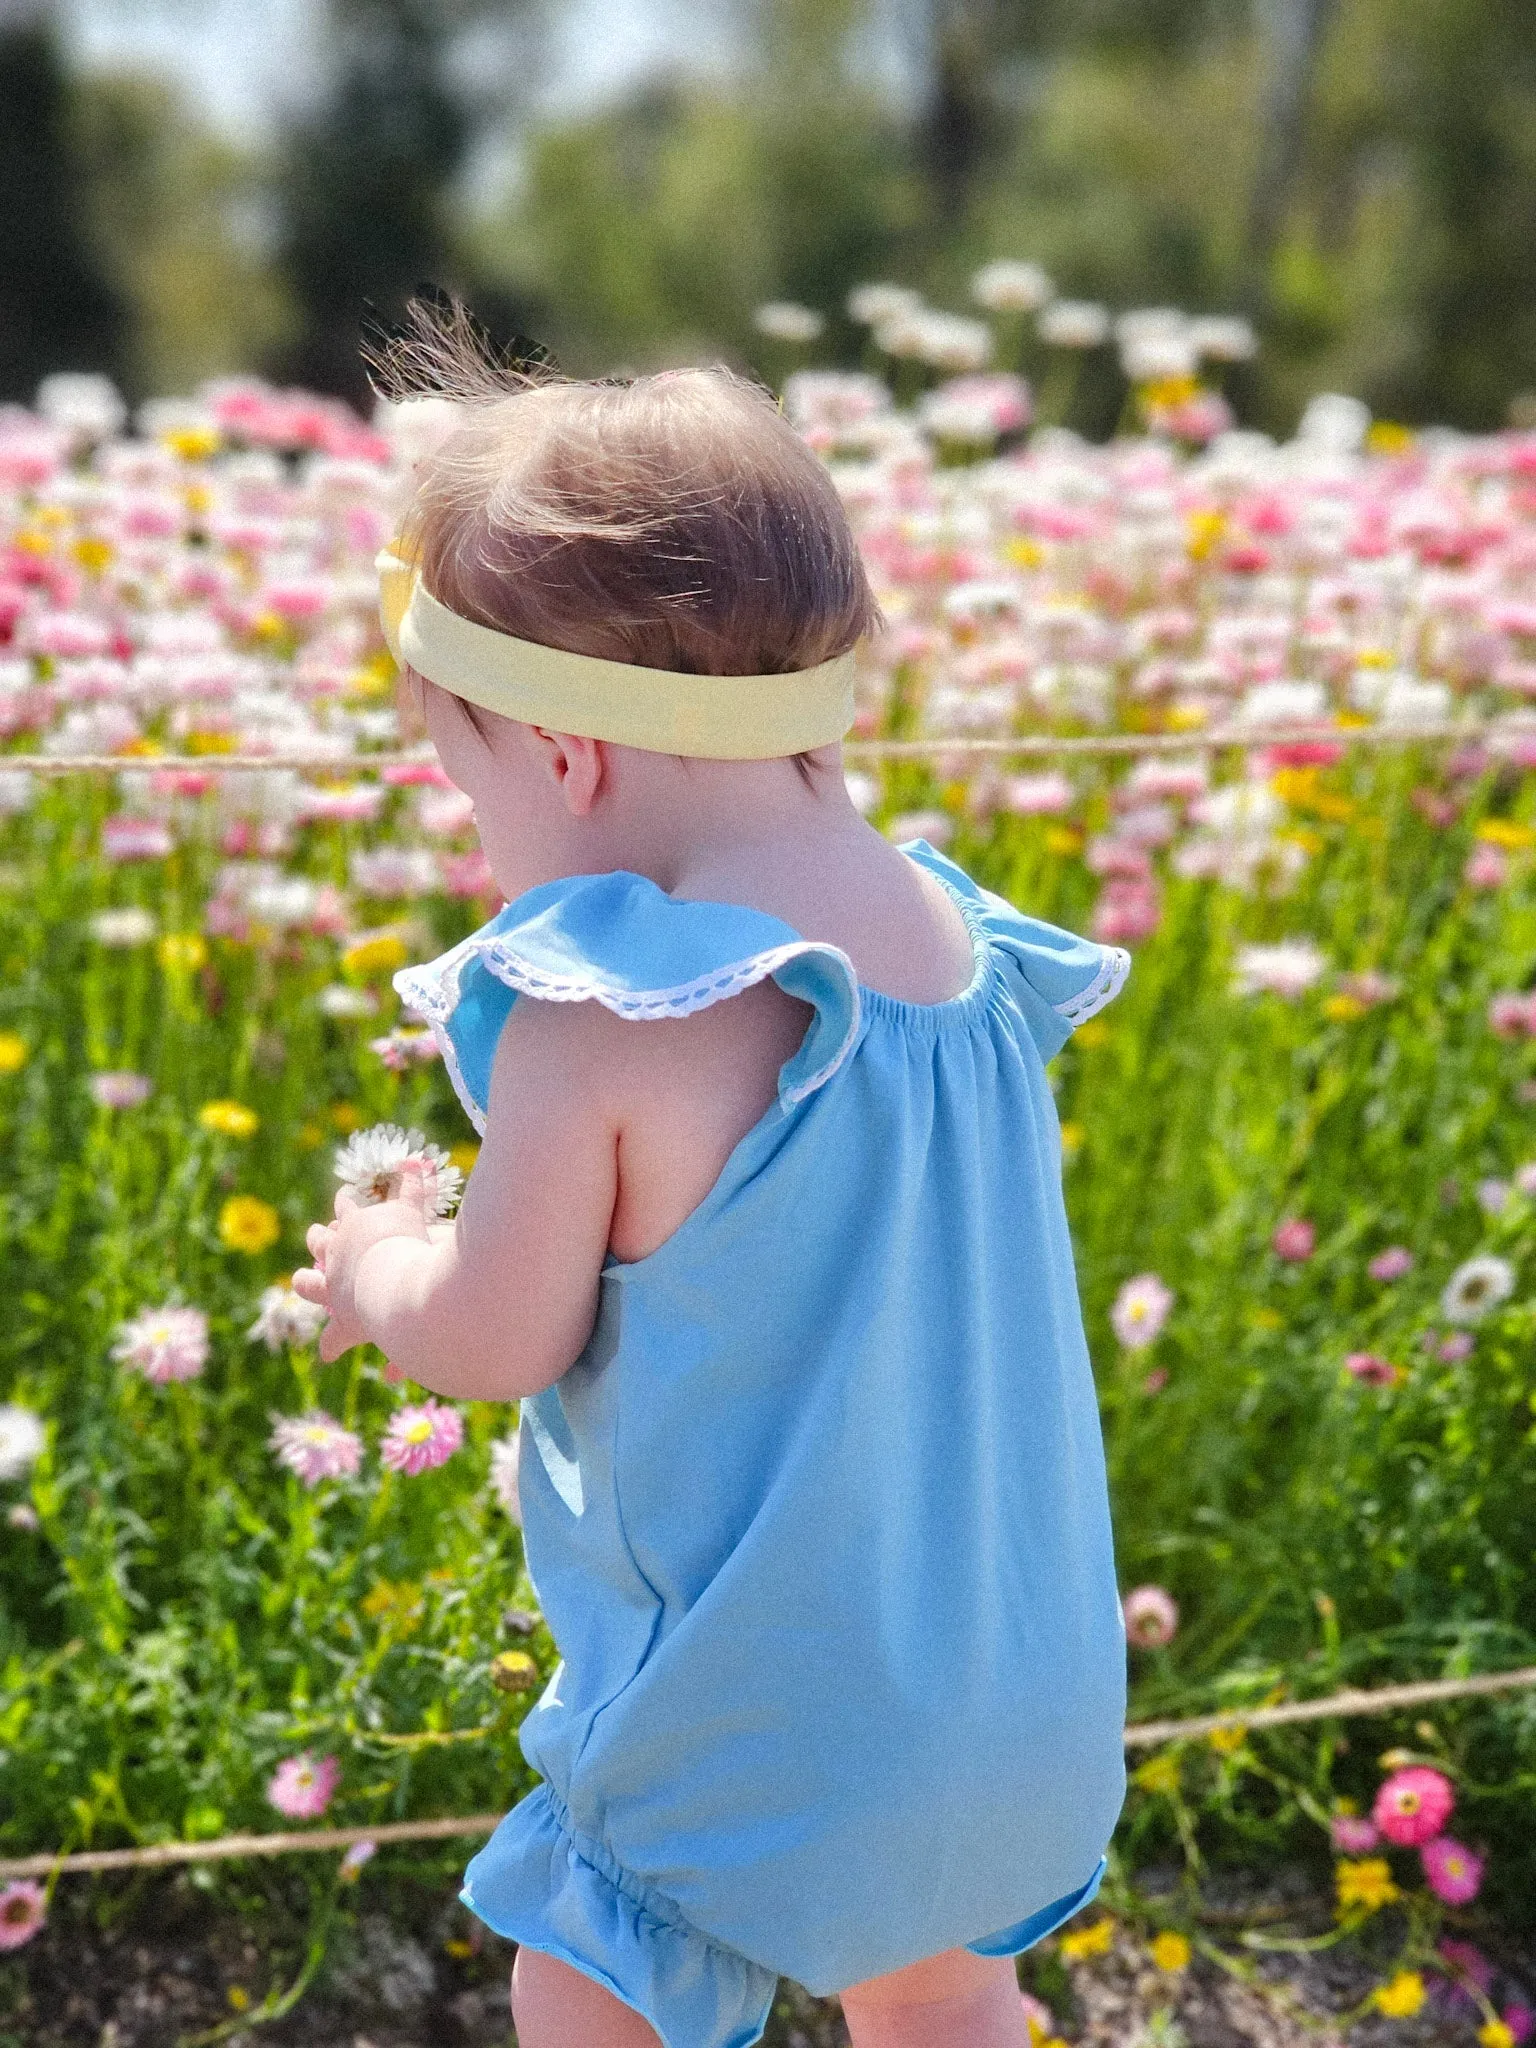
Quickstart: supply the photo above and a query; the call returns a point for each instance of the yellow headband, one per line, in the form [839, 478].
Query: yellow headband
[718, 718]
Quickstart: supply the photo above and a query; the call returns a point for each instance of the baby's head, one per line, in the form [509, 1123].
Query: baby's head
[672, 522]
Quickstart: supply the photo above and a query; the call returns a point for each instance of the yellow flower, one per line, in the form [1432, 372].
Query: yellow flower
[515, 1671]
[380, 954]
[396, 1605]
[238, 1997]
[1083, 1942]
[308, 1136]
[1071, 1139]
[1188, 717]
[1094, 1032]
[269, 626]
[1205, 532]
[229, 1119]
[1401, 1997]
[1364, 1886]
[1505, 832]
[1024, 554]
[347, 1117]
[1496, 2035]
[182, 952]
[1388, 437]
[1343, 1009]
[1171, 1952]
[92, 554]
[31, 542]
[1296, 786]
[13, 1052]
[192, 444]
[1062, 839]
[464, 1154]
[1159, 1773]
[1375, 657]
[1266, 1319]
[1227, 1741]
[208, 742]
[459, 1949]
[248, 1224]
[1170, 391]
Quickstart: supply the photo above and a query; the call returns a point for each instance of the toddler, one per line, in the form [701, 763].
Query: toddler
[766, 1235]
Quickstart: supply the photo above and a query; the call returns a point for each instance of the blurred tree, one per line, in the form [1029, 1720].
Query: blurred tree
[650, 231]
[185, 223]
[1293, 32]
[1460, 79]
[58, 308]
[366, 186]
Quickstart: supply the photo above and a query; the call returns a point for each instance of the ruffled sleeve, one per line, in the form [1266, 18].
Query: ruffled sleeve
[1057, 979]
[618, 940]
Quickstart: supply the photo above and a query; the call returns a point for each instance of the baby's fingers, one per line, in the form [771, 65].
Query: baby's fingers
[318, 1240]
[332, 1344]
[309, 1285]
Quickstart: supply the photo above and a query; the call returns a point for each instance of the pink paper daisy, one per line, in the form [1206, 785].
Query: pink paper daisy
[1140, 1311]
[1353, 1834]
[420, 1437]
[315, 1446]
[1413, 1806]
[1294, 1240]
[23, 1909]
[1151, 1617]
[1373, 1370]
[301, 1787]
[1451, 1870]
[1391, 1264]
[164, 1343]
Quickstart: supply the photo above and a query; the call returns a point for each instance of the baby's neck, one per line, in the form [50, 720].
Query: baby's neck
[704, 828]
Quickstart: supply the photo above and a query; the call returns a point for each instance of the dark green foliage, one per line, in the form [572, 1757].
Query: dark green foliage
[58, 310]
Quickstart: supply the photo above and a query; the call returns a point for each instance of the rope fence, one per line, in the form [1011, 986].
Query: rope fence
[1351, 1704]
[1198, 740]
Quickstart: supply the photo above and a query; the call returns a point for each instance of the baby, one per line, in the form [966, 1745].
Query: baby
[766, 1235]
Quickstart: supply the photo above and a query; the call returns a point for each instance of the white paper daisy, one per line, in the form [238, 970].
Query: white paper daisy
[371, 1160]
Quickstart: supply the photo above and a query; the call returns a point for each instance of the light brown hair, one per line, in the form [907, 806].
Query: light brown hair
[673, 521]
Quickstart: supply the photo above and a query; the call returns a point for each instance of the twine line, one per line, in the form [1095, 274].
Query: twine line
[1347, 1705]
[1198, 740]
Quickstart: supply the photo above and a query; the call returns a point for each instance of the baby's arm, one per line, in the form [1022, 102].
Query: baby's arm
[502, 1304]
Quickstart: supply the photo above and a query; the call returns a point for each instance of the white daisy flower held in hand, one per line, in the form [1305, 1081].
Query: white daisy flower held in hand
[370, 1162]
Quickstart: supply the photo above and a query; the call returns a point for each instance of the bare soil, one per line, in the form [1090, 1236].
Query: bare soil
[410, 1969]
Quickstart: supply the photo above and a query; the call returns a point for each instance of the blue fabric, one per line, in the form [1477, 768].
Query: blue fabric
[818, 1519]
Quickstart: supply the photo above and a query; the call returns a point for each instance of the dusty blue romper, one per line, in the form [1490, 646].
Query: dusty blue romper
[818, 1518]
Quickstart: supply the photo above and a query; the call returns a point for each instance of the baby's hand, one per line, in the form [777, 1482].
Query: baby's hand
[337, 1248]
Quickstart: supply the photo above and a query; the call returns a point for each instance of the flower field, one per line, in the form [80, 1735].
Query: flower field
[1300, 1148]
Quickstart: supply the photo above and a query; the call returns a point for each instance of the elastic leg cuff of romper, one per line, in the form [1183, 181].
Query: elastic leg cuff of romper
[542, 1884]
[1024, 1934]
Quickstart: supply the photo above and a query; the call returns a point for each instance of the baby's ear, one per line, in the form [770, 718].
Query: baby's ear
[578, 765]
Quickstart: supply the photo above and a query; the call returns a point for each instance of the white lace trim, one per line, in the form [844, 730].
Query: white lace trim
[1103, 988]
[434, 992]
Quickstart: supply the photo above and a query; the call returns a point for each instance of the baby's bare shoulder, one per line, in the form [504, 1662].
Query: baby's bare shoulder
[732, 1048]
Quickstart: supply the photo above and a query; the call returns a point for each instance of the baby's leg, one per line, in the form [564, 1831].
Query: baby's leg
[554, 2006]
[955, 2000]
